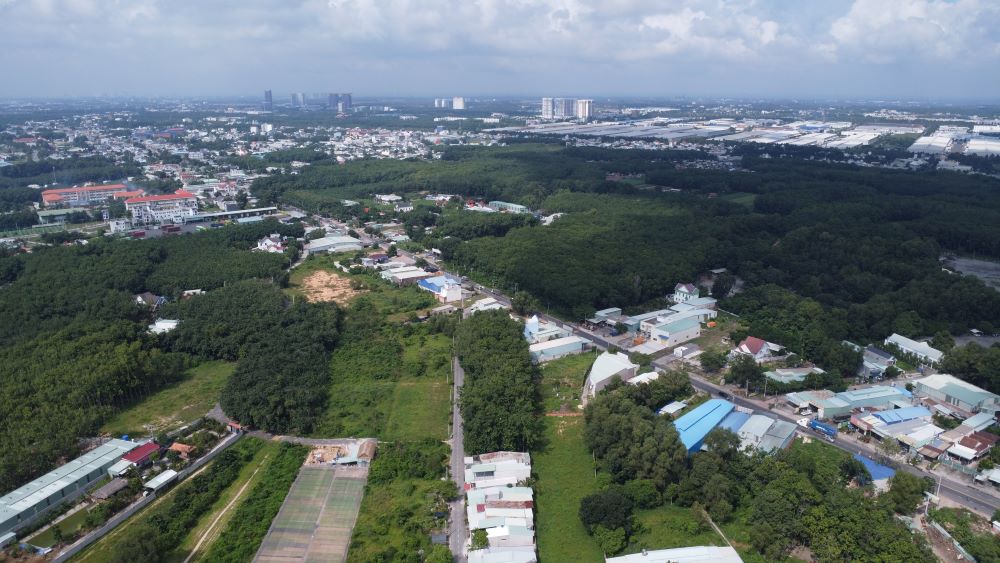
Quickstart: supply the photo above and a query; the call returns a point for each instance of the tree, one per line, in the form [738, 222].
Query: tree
[712, 360]
[743, 370]
[643, 493]
[943, 341]
[392, 252]
[905, 492]
[610, 541]
[439, 554]
[523, 303]
[609, 509]
[722, 285]
[479, 539]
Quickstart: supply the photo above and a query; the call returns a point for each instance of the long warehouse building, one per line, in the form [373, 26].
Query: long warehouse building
[21, 506]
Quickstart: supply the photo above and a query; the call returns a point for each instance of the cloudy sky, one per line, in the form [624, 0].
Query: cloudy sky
[775, 48]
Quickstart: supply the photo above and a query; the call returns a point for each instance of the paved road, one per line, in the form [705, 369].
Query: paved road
[458, 529]
[962, 493]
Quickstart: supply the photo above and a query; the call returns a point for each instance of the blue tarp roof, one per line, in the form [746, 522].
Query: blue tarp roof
[695, 425]
[900, 415]
[877, 470]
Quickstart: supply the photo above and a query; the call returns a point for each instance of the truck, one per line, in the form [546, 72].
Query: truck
[828, 430]
[137, 234]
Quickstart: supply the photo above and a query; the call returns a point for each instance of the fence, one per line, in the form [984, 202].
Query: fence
[138, 505]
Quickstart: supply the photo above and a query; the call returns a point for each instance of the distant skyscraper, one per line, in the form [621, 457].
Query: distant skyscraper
[548, 111]
[564, 107]
[345, 100]
[584, 109]
[458, 102]
[268, 101]
[299, 100]
[333, 101]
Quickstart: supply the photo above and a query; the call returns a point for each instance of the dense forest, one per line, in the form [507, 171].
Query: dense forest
[827, 251]
[74, 346]
[500, 400]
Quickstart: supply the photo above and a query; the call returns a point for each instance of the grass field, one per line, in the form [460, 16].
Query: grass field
[249, 475]
[68, 525]
[562, 381]
[565, 475]
[396, 517]
[176, 405]
[389, 395]
[666, 527]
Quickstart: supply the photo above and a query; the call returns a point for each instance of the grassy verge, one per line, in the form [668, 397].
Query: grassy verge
[176, 405]
[565, 475]
[667, 527]
[249, 474]
[247, 525]
[562, 381]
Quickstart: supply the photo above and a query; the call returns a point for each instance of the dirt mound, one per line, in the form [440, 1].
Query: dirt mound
[328, 286]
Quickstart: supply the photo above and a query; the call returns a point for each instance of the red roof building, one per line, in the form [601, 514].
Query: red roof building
[82, 195]
[141, 454]
[178, 195]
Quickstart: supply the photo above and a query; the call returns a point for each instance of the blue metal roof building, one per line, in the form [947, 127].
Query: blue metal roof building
[695, 425]
[901, 415]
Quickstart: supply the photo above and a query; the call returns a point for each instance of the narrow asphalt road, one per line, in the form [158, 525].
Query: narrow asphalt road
[458, 528]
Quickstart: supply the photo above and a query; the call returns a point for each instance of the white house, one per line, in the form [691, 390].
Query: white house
[923, 351]
[497, 469]
[387, 198]
[684, 292]
[676, 331]
[760, 350]
[273, 244]
[606, 367]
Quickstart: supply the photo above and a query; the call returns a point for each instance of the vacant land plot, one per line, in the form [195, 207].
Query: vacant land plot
[562, 382]
[328, 286]
[667, 527]
[565, 475]
[316, 519]
[176, 405]
[416, 410]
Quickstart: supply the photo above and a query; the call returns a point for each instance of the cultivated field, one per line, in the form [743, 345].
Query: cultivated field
[317, 517]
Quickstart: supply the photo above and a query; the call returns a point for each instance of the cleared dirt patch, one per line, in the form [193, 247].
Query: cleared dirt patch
[328, 286]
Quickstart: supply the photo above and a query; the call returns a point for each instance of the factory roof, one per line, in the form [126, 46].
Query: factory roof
[954, 387]
[695, 425]
[161, 479]
[899, 415]
[556, 343]
[41, 488]
[699, 554]
[608, 365]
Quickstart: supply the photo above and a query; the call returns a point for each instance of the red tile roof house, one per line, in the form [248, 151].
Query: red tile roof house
[141, 455]
[760, 350]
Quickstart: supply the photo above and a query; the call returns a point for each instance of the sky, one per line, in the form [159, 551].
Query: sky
[829, 49]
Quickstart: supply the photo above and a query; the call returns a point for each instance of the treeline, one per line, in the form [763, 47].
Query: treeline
[161, 532]
[246, 529]
[74, 346]
[67, 171]
[797, 497]
[500, 400]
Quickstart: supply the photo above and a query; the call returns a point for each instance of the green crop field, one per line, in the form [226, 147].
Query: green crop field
[176, 405]
[565, 475]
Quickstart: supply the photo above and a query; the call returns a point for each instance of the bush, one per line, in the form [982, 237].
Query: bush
[609, 509]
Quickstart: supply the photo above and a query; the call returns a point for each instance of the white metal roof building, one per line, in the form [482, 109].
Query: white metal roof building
[605, 367]
[921, 350]
[335, 244]
[161, 480]
[66, 482]
[953, 391]
[699, 554]
[552, 349]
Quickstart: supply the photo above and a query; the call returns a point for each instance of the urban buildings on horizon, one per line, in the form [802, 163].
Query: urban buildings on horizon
[338, 102]
[565, 108]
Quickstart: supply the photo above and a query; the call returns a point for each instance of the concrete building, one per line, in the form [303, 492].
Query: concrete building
[923, 351]
[548, 109]
[406, 275]
[166, 208]
[458, 102]
[684, 292]
[268, 101]
[564, 108]
[584, 109]
[506, 207]
[23, 505]
[334, 244]
[536, 331]
[552, 349]
[445, 289]
[675, 332]
[605, 368]
[492, 555]
[87, 195]
[953, 392]
[496, 469]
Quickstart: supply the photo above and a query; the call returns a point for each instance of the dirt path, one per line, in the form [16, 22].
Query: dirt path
[211, 527]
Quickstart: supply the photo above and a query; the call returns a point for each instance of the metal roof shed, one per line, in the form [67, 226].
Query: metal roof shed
[695, 425]
[161, 480]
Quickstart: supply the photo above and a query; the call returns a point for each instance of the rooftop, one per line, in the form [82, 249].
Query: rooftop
[695, 425]
[699, 554]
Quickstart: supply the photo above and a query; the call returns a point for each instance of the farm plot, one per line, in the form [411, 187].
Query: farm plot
[317, 517]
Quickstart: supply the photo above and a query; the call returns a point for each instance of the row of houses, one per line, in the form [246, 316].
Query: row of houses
[497, 504]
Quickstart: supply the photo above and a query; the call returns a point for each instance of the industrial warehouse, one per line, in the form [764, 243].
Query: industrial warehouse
[21, 506]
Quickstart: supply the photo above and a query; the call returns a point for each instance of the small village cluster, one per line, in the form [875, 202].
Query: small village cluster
[499, 508]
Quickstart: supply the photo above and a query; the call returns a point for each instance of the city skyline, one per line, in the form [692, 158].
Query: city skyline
[855, 49]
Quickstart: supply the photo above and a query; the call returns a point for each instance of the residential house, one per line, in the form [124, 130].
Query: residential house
[150, 300]
[496, 469]
[183, 450]
[605, 368]
[272, 244]
[973, 446]
[758, 349]
[684, 292]
[444, 288]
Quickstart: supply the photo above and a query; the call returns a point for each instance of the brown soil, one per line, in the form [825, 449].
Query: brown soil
[328, 286]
